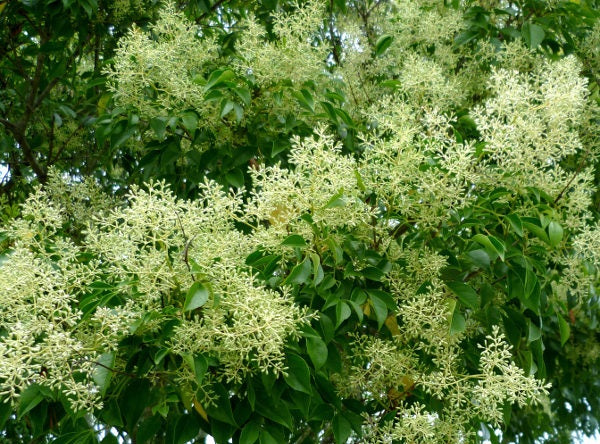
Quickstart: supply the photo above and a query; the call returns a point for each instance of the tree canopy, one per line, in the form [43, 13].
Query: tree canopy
[323, 221]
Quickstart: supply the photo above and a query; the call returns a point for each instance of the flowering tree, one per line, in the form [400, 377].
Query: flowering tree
[345, 221]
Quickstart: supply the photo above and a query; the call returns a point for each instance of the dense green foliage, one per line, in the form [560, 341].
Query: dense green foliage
[322, 221]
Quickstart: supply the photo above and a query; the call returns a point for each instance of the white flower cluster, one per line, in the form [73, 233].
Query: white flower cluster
[38, 316]
[293, 55]
[159, 246]
[465, 397]
[155, 72]
[323, 184]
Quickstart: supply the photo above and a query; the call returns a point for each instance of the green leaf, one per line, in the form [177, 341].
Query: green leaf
[218, 76]
[565, 330]
[318, 273]
[337, 200]
[250, 433]
[305, 99]
[148, 428]
[532, 224]
[387, 298]
[336, 250]
[235, 178]
[294, 240]
[186, 429]
[372, 273]
[465, 37]
[380, 309]
[537, 350]
[103, 371]
[330, 111]
[196, 297]
[515, 223]
[238, 111]
[159, 126]
[6, 410]
[134, 400]
[190, 121]
[342, 312]
[300, 273]
[221, 410]
[479, 258]
[491, 244]
[466, 295]
[458, 323]
[317, 351]
[555, 233]
[534, 333]
[226, 107]
[29, 398]
[267, 438]
[200, 367]
[357, 309]
[275, 411]
[532, 34]
[298, 374]
[382, 44]
[342, 429]
[243, 94]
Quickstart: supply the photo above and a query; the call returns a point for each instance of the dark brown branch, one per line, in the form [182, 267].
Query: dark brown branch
[8, 124]
[30, 156]
[566, 187]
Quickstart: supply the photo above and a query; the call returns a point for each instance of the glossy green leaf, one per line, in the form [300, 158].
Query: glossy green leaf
[300, 273]
[226, 107]
[294, 240]
[29, 398]
[148, 429]
[534, 333]
[555, 233]
[196, 296]
[218, 76]
[565, 330]
[190, 121]
[342, 429]
[317, 351]
[318, 273]
[276, 411]
[250, 433]
[532, 224]
[515, 224]
[186, 429]
[6, 410]
[244, 95]
[458, 322]
[298, 374]
[267, 438]
[465, 293]
[235, 178]
[104, 371]
[532, 34]
[382, 44]
[342, 312]
[221, 409]
[492, 244]
[479, 258]
[337, 200]
[200, 367]
[380, 309]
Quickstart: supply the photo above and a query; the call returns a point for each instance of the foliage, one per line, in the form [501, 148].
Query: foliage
[344, 221]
